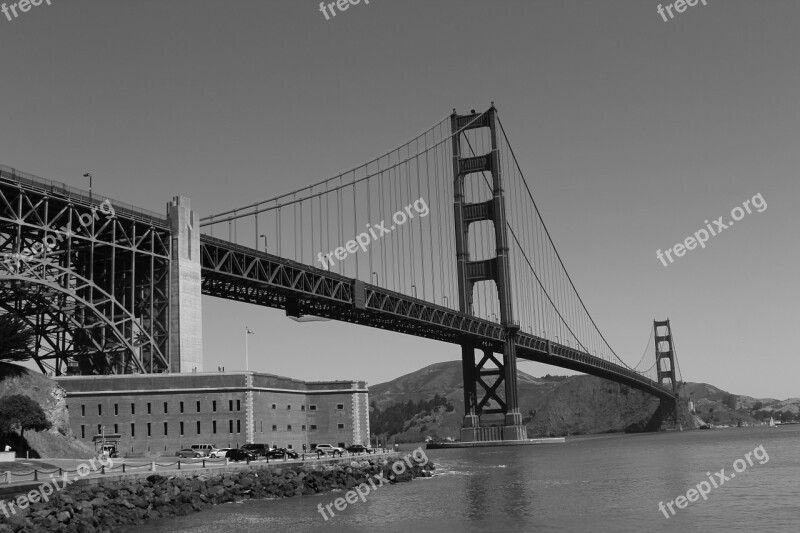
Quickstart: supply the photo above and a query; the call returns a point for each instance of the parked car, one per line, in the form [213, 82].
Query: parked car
[279, 453]
[358, 448]
[205, 449]
[216, 454]
[257, 449]
[237, 454]
[328, 449]
[188, 452]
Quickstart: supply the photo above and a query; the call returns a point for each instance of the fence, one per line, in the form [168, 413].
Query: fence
[124, 468]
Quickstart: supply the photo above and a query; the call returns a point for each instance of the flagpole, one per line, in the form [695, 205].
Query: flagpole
[246, 350]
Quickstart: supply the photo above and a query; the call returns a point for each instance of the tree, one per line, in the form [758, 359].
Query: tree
[15, 338]
[757, 406]
[18, 413]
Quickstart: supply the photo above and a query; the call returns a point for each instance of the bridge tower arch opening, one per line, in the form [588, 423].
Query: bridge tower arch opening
[496, 269]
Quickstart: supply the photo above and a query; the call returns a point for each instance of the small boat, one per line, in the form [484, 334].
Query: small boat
[772, 423]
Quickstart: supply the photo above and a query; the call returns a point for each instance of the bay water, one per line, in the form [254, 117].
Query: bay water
[607, 483]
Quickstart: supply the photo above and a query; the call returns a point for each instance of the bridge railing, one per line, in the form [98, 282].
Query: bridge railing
[73, 193]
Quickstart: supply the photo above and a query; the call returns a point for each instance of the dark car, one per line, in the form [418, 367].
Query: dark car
[278, 453]
[257, 449]
[237, 454]
[358, 448]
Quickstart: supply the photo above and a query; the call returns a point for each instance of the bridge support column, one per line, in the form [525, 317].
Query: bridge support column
[665, 371]
[469, 427]
[185, 311]
[514, 429]
[496, 269]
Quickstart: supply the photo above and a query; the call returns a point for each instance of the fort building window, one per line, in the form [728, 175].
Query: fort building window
[148, 427]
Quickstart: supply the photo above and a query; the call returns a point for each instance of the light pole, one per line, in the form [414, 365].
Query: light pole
[246, 348]
[89, 175]
[377, 279]
[414, 288]
[265, 241]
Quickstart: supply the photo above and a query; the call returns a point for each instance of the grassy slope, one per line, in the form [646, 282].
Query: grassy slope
[58, 441]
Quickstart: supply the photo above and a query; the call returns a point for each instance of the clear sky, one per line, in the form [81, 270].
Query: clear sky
[631, 130]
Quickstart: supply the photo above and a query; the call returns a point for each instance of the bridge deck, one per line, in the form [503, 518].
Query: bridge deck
[240, 273]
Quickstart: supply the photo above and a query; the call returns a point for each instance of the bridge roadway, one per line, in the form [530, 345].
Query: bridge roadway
[243, 274]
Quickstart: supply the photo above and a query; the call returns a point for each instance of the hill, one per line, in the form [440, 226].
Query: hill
[551, 406]
[556, 405]
[58, 441]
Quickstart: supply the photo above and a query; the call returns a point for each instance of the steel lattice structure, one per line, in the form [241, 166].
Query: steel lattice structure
[90, 279]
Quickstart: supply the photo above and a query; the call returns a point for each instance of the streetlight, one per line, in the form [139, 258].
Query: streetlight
[247, 348]
[88, 175]
[414, 290]
[445, 300]
[265, 241]
[377, 279]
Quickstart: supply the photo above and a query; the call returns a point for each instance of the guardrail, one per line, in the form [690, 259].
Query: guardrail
[7, 477]
[76, 194]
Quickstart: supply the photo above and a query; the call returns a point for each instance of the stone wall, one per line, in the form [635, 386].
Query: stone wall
[89, 506]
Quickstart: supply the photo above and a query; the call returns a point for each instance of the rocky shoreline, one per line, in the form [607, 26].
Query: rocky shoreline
[105, 507]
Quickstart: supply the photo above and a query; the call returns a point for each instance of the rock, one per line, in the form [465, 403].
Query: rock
[63, 516]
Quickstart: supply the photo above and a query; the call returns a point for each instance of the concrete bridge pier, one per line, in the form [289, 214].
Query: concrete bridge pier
[185, 310]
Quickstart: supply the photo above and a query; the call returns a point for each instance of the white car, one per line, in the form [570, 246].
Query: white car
[218, 453]
[329, 449]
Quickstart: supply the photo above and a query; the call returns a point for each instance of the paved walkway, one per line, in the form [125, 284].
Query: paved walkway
[42, 470]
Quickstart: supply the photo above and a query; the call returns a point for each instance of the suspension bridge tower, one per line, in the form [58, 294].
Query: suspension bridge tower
[471, 272]
[665, 370]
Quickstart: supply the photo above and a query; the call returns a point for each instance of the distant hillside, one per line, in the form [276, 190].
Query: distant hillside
[719, 407]
[551, 406]
[559, 405]
[58, 442]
